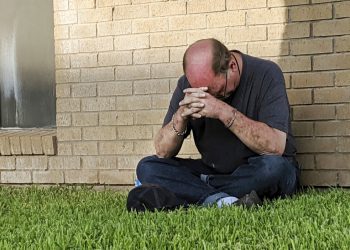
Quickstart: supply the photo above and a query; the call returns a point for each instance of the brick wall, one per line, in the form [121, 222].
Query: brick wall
[118, 61]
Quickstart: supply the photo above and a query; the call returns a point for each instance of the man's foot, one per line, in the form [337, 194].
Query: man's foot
[249, 200]
[153, 197]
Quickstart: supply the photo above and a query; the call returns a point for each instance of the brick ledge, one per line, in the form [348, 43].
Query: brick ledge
[36, 141]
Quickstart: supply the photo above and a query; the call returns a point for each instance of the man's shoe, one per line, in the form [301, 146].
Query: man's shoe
[152, 197]
[249, 200]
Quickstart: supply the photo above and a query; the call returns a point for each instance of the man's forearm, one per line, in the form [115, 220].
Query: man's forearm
[258, 136]
[168, 140]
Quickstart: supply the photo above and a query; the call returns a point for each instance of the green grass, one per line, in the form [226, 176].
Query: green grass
[70, 218]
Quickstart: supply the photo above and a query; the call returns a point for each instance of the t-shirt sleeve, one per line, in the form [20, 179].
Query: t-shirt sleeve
[274, 106]
[178, 95]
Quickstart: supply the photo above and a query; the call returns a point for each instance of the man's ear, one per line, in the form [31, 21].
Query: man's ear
[233, 65]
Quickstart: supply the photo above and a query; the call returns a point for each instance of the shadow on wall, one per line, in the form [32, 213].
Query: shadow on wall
[314, 57]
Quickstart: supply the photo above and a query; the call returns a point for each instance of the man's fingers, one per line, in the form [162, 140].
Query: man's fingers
[196, 115]
[195, 90]
[189, 100]
[190, 111]
[196, 105]
[197, 94]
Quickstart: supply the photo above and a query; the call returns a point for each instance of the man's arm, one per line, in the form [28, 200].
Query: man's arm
[169, 139]
[256, 135]
[167, 142]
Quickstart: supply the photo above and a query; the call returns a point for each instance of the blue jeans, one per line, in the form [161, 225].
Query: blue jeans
[189, 179]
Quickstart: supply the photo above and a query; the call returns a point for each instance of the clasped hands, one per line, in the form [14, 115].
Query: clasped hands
[199, 103]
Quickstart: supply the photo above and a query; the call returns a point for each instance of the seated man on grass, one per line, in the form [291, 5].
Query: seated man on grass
[237, 109]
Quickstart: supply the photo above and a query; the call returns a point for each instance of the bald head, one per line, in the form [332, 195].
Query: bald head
[205, 59]
[198, 61]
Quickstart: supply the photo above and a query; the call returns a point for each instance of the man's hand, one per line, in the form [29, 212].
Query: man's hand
[192, 104]
[198, 103]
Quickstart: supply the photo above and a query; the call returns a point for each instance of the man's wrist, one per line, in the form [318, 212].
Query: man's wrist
[232, 120]
[179, 123]
[228, 116]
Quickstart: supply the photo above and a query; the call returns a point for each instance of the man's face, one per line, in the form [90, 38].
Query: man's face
[216, 84]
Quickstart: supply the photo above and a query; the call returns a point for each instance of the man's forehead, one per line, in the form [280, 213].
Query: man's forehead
[198, 78]
[199, 65]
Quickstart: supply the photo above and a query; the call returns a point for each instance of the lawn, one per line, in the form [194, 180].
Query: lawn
[73, 218]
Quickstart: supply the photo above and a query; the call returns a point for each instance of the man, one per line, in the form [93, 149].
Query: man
[237, 109]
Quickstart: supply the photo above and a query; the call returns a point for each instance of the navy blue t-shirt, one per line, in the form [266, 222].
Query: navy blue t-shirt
[261, 96]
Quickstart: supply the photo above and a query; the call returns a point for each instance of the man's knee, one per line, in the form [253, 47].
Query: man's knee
[145, 167]
[273, 167]
[279, 173]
